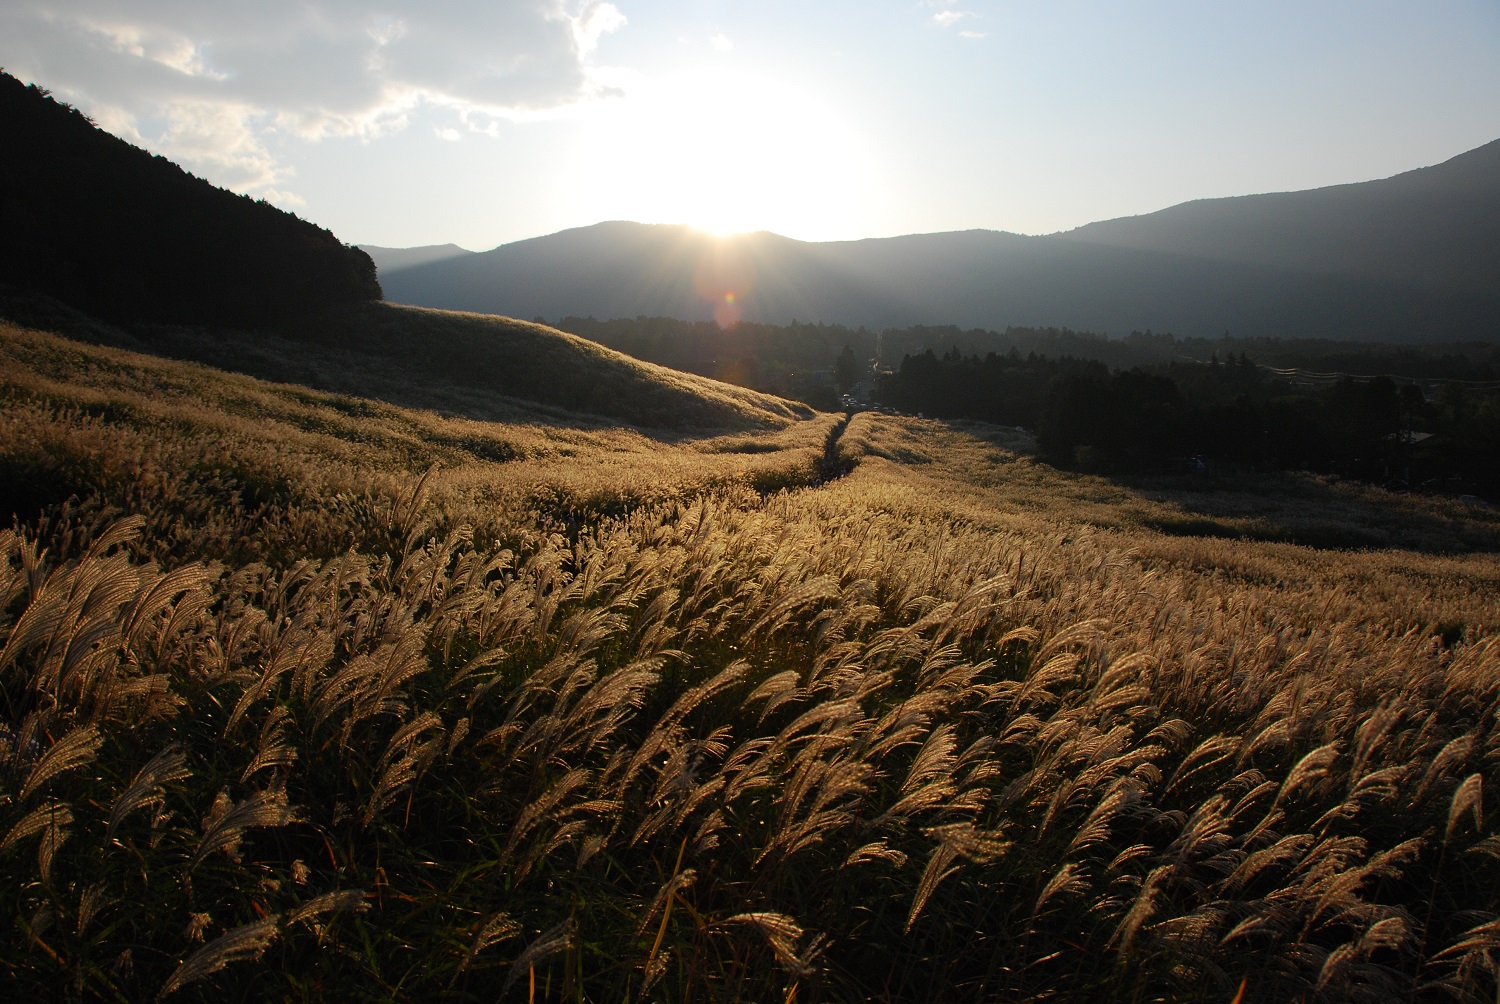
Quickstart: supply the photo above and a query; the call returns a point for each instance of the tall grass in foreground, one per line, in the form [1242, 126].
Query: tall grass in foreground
[856, 742]
[718, 746]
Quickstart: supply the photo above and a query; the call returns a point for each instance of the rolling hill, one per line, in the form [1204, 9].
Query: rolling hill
[481, 366]
[1410, 258]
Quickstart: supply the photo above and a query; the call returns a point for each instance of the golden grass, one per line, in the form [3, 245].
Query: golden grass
[581, 715]
[477, 365]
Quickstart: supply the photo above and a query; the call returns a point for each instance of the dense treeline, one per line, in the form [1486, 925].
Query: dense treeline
[813, 362]
[1146, 401]
[800, 359]
[105, 226]
[1469, 361]
[1234, 412]
[1008, 390]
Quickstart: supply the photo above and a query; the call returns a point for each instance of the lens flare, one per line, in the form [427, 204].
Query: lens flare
[726, 312]
[724, 277]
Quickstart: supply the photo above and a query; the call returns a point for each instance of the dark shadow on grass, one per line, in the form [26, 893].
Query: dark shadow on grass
[1295, 507]
[1303, 508]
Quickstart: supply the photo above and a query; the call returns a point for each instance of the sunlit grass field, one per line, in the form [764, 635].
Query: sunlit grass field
[310, 696]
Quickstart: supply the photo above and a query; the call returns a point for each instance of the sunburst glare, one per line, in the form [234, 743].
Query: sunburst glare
[727, 152]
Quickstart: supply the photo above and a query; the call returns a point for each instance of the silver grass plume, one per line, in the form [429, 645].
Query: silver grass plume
[247, 943]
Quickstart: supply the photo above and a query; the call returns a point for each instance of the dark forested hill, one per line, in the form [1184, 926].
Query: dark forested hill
[103, 225]
[1413, 258]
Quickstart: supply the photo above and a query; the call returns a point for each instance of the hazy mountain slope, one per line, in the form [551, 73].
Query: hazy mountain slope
[1437, 226]
[107, 227]
[993, 280]
[389, 260]
[629, 269]
[1412, 258]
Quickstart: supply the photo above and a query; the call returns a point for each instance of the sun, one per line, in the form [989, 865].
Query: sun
[728, 151]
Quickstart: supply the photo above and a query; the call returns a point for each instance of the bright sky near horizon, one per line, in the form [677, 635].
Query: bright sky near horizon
[480, 123]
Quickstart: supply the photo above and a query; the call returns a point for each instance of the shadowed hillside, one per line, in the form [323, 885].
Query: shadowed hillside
[109, 228]
[533, 362]
[475, 365]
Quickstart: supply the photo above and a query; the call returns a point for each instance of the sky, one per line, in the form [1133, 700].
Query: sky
[481, 122]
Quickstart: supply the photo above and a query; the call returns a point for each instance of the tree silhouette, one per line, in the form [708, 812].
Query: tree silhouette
[127, 236]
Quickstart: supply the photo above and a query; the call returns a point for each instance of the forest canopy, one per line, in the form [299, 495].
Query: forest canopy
[130, 237]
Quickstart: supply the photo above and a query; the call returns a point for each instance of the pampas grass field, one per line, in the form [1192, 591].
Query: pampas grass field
[310, 696]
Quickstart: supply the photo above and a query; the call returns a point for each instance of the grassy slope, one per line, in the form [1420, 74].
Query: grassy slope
[71, 408]
[954, 726]
[457, 362]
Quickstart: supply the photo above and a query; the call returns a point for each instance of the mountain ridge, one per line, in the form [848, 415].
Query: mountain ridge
[395, 259]
[1449, 213]
[1415, 257]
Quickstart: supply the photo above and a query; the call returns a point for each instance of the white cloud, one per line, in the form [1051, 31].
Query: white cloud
[208, 82]
[969, 33]
[947, 18]
[283, 199]
[595, 21]
[721, 42]
[222, 141]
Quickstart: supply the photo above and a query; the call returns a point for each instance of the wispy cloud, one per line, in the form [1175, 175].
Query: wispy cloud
[721, 42]
[947, 17]
[210, 83]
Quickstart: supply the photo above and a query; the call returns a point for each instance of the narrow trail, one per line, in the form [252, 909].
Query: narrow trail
[833, 465]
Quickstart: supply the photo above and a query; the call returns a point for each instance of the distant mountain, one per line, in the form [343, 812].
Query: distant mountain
[1434, 228]
[1411, 258]
[126, 236]
[388, 260]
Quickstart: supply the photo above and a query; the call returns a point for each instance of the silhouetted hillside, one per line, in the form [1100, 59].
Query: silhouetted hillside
[623, 269]
[1412, 258]
[108, 227]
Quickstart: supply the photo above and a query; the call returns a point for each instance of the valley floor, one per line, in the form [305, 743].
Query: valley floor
[307, 695]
